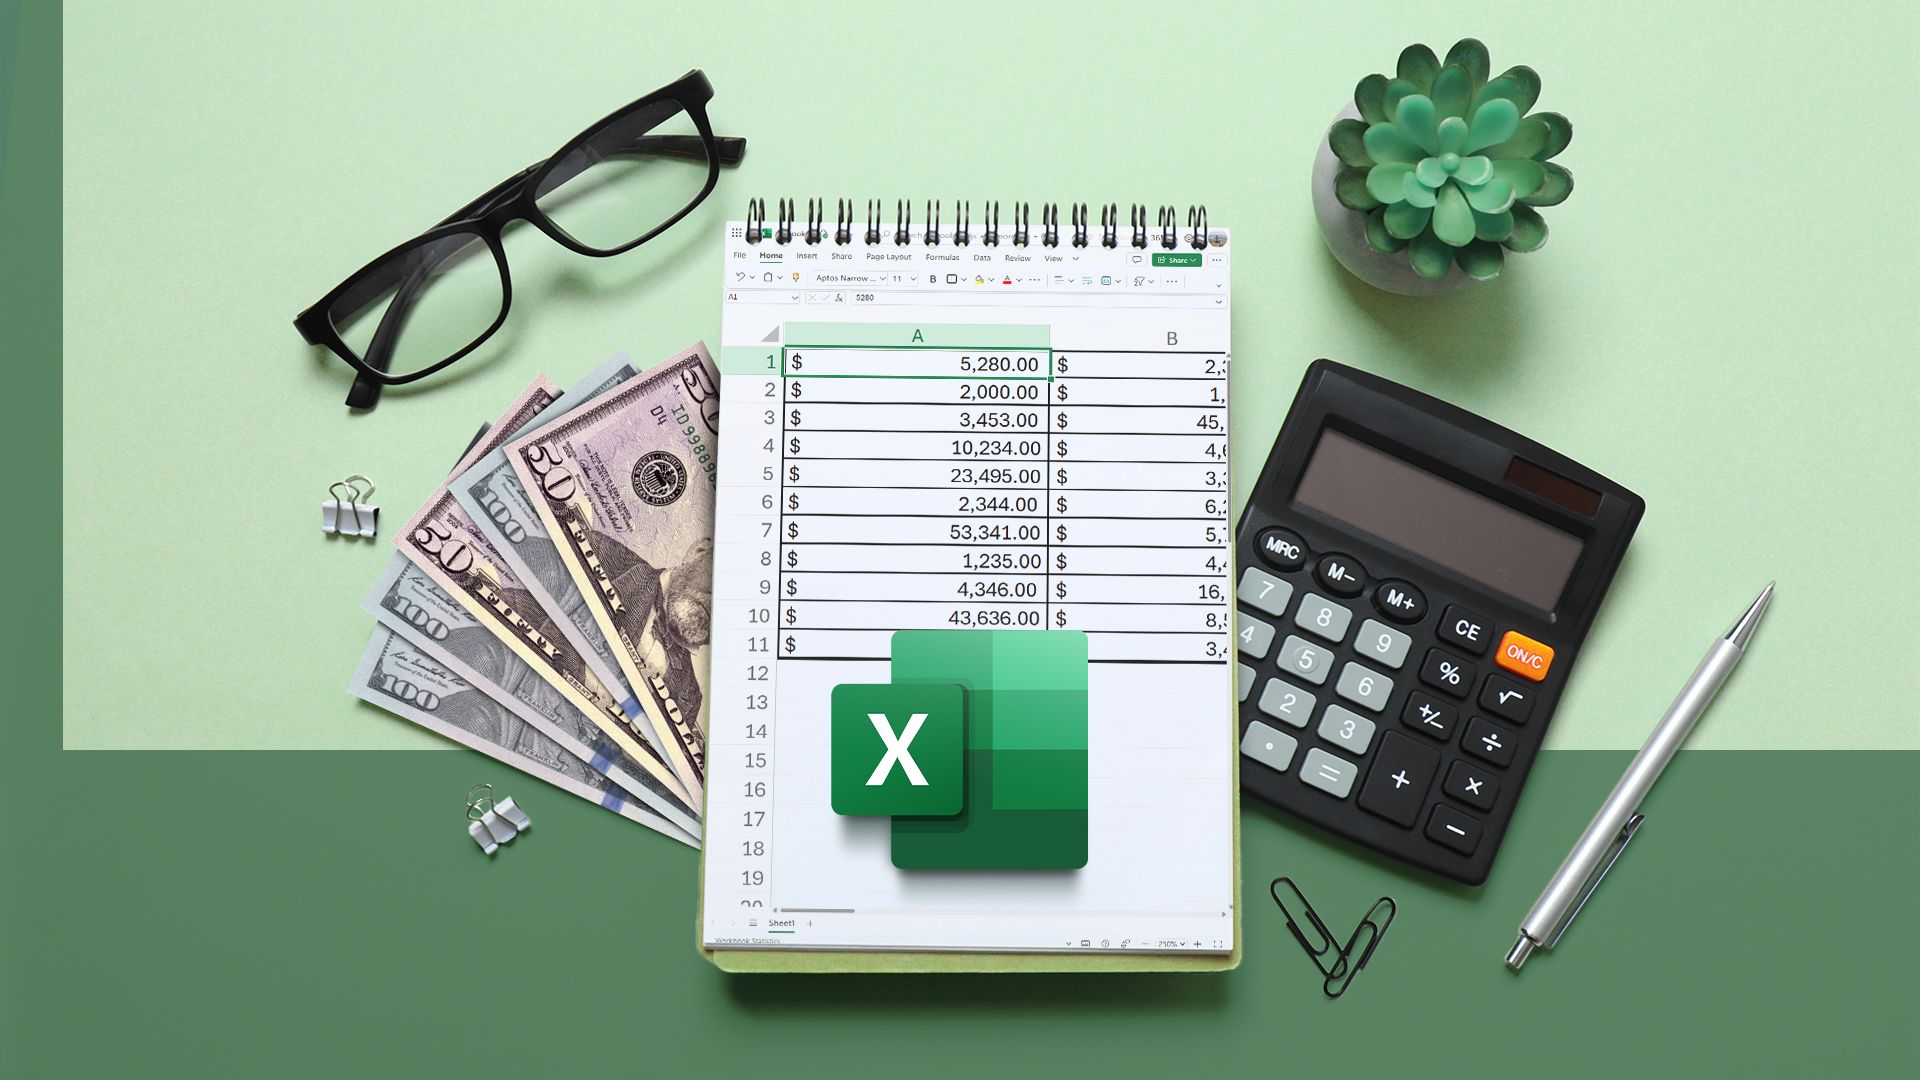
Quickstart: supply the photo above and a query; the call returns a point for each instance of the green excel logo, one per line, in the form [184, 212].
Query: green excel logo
[977, 749]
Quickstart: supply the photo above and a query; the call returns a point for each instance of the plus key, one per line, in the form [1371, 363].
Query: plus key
[1402, 771]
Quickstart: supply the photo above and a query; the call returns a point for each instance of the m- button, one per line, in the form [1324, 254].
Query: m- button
[1524, 656]
[1340, 575]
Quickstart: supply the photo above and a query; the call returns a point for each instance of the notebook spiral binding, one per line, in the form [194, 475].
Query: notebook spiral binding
[1167, 235]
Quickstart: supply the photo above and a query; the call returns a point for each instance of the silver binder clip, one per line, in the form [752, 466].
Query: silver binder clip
[347, 512]
[486, 824]
[510, 810]
[1614, 852]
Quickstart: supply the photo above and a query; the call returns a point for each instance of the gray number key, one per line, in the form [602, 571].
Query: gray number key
[1369, 688]
[1378, 641]
[1300, 657]
[1269, 746]
[1256, 637]
[1330, 774]
[1243, 681]
[1285, 703]
[1321, 616]
[1264, 591]
[1348, 728]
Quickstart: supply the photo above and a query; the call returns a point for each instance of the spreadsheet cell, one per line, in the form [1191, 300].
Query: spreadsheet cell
[1148, 365]
[1005, 447]
[934, 612]
[917, 362]
[1056, 393]
[1094, 476]
[997, 418]
[1207, 652]
[1052, 531]
[1037, 588]
[969, 502]
[1001, 558]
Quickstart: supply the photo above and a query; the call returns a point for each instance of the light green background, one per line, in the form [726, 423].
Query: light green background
[1724, 319]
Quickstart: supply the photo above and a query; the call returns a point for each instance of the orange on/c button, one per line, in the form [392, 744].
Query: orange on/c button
[1522, 655]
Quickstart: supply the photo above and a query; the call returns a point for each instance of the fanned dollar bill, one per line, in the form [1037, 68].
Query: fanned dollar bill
[408, 602]
[442, 541]
[409, 683]
[498, 506]
[625, 488]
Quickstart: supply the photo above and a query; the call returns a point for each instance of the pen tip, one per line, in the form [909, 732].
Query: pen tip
[1522, 949]
[1743, 630]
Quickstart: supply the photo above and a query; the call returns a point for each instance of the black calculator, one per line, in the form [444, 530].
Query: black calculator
[1415, 583]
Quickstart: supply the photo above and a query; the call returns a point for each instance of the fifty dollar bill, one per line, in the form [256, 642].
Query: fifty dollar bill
[499, 507]
[625, 487]
[443, 541]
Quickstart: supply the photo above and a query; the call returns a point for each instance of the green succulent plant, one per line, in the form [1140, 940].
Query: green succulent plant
[1447, 163]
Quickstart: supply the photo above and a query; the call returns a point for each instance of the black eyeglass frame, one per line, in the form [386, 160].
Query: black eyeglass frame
[486, 218]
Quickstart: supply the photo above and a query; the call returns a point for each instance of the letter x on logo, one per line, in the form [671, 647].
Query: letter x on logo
[897, 750]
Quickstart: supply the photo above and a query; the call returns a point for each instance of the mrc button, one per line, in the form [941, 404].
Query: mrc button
[1281, 548]
[1524, 656]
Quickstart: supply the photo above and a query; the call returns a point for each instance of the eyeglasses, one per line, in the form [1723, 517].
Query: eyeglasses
[435, 298]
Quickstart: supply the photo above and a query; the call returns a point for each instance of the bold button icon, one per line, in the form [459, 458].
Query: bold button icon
[1524, 656]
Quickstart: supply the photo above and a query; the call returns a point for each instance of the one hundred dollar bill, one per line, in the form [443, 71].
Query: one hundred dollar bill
[625, 487]
[404, 599]
[407, 682]
[442, 540]
[498, 506]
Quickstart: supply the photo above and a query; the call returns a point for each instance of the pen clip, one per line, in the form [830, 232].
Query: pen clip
[1614, 852]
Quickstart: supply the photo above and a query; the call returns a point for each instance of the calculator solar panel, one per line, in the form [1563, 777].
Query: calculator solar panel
[1414, 584]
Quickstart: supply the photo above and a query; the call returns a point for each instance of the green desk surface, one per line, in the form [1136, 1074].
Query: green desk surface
[1723, 320]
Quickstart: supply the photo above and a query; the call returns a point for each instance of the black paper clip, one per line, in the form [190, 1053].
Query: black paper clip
[1338, 965]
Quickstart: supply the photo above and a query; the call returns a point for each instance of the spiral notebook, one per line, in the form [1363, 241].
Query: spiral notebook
[973, 488]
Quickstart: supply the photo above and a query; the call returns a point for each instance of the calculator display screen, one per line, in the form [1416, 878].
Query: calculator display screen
[1438, 520]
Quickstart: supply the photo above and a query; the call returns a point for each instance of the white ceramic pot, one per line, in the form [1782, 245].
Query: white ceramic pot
[1345, 232]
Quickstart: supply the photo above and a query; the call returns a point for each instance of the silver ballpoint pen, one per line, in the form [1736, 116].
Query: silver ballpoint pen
[1619, 818]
